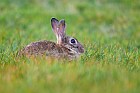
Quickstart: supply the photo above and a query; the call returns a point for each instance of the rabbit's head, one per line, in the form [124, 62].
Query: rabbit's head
[62, 39]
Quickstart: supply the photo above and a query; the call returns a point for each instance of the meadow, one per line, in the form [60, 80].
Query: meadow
[108, 29]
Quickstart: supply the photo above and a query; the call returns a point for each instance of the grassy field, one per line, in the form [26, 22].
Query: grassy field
[109, 30]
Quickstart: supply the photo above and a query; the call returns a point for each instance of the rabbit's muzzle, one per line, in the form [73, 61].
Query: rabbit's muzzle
[80, 49]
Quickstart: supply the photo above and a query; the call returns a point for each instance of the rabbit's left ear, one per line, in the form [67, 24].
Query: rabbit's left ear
[62, 26]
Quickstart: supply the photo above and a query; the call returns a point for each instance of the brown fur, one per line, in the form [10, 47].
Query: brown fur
[47, 48]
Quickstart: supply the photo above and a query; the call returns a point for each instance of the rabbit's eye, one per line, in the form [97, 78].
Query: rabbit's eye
[73, 41]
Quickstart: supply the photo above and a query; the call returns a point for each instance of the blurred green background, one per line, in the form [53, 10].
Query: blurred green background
[108, 29]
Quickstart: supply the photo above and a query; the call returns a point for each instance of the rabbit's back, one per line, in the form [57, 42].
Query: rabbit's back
[38, 48]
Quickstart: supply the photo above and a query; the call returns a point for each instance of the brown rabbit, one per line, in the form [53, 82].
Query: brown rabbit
[66, 47]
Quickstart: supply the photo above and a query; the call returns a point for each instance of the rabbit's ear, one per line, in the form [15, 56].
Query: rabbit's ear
[62, 26]
[61, 31]
[54, 23]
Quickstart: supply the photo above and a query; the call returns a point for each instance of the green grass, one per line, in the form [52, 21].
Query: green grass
[109, 30]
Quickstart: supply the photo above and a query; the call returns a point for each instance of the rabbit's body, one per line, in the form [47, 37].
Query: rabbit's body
[66, 47]
[37, 48]
[47, 48]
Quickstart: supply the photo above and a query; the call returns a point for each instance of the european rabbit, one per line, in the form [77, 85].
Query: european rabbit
[66, 46]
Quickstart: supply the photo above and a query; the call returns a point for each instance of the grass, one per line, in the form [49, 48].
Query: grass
[109, 30]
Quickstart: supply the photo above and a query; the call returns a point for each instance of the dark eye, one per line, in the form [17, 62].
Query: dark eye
[73, 41]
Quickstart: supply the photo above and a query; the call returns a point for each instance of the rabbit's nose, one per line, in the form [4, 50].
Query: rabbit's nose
[81, 49]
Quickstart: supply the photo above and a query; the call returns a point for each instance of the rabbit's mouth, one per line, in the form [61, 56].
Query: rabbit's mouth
[78, 50]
